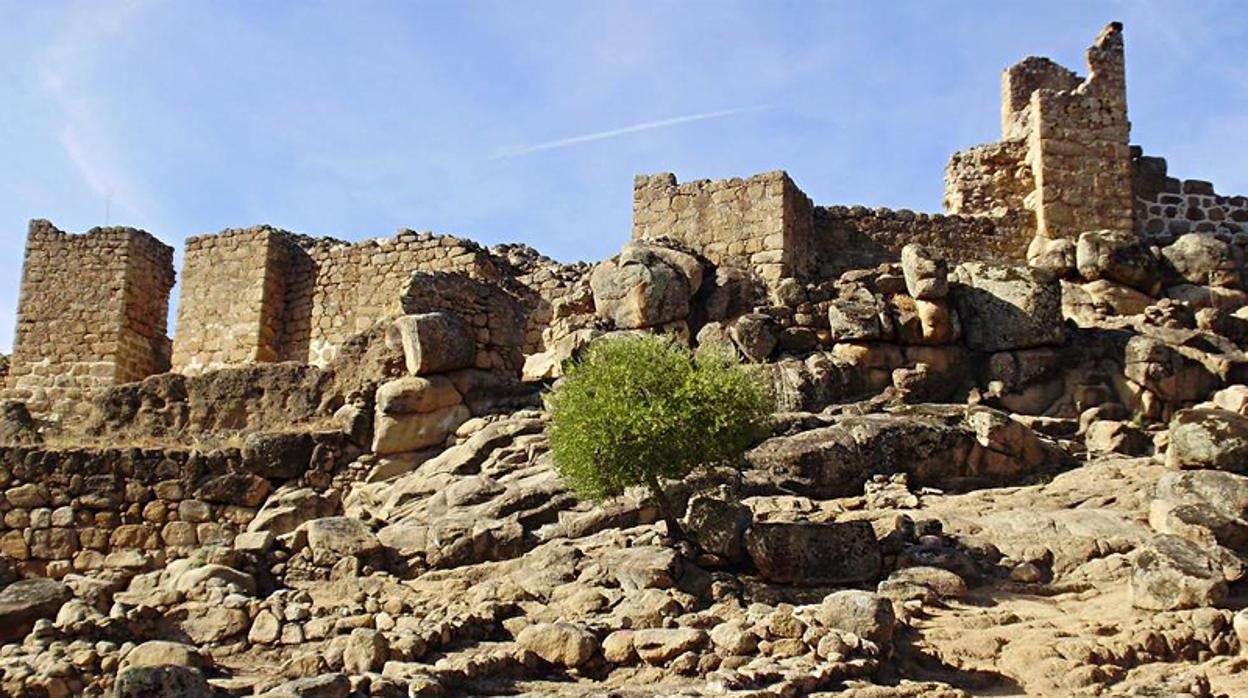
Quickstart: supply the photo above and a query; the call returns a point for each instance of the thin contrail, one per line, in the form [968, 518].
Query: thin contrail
[516, 151]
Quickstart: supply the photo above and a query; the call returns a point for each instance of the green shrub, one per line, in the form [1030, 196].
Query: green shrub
[635, 410]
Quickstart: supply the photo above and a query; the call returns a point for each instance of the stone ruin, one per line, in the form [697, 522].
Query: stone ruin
[1011, 452]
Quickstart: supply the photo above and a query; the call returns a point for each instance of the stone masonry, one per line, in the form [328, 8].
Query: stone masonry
[91, 314]
[93, 305]
[1065, 153]
[263, 295]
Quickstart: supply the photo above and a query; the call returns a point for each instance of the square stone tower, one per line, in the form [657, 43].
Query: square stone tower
[91, 314]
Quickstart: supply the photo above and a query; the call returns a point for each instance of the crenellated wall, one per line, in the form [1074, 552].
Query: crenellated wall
[91, 314]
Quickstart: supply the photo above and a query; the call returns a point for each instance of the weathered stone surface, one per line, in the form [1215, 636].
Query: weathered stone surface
[814, 553]
[563, 644]
[207, 624]
[366, 650]
[869, 616]
[336, 536]
[858, 315]
[286, 511]
[1205, 261]
[1118, 256]
[322, 686]
[164, 653]
[1054, 256]
[1209, 507]
[24, 602]
[640, 289]
[434, 343]
[756, 335]
[1171, 573]
[277, 455]
[718, 525]
[659, 645]
[145, 681]
[1203, 438]
[1005, 308]
[926, 272]
[404, 433]
[17, 427]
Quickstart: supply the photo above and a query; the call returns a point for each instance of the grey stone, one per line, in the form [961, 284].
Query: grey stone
[814, 553]
[434, 342]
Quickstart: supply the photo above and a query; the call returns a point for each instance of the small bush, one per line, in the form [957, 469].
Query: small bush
[637, 409]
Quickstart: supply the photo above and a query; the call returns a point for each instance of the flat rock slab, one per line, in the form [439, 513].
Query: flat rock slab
[22, 603]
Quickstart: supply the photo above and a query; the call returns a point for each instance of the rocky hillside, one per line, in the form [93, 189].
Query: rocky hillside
[982, 480]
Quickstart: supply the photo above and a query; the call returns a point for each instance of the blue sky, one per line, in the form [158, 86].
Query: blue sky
[525, 121]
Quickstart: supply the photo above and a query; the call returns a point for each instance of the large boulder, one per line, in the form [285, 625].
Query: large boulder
[1118, 256]
[1054, 256]
[321, 686]
[858, 314]
[1170, 573]
[164, 653]
[645, 286]
[286, 511]
[1208, 507]
[933, 444]
[1005, 308]
[718, 525]
[434, 342]
[562, 644]
[415, 413]
[1205, 438]
[1204, 260]
[814, 554]
[167, 680]
[925, 271]
[862, 613]
[26, 601]
[333, 537]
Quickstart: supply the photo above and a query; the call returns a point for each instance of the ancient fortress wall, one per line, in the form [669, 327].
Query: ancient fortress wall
[93, 305]
[262, 294]
[91, 314]
[1166, 205]
[1065, 153]
[762, 223]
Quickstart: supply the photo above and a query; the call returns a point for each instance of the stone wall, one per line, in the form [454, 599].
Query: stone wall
[262, 295]
[992, 180]
[495, 317]
[856, 237]
[1168, 206]
[91, 314]
[83, 509]
[1065, 155]
[762, 223]
[232, 299]
[1079, 149]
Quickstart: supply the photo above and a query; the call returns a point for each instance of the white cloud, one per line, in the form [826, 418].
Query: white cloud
[84, 135]
[517, 151]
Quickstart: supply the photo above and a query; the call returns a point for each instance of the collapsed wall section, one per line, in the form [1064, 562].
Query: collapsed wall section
[1064, 156]
[1079, 147]
[91, 314]
[763, 223]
